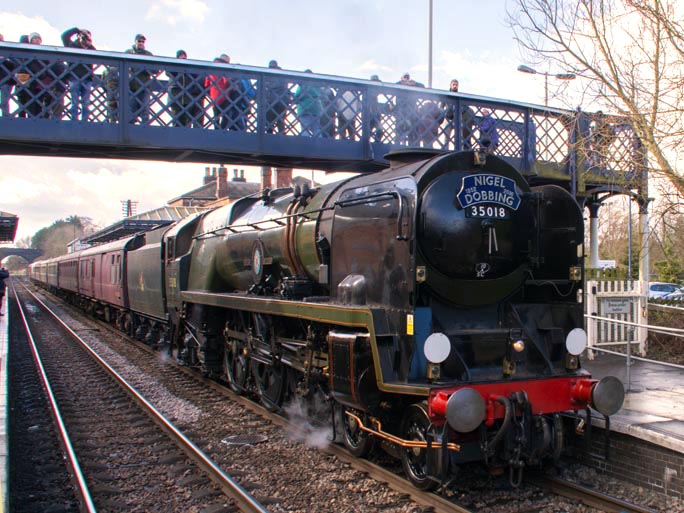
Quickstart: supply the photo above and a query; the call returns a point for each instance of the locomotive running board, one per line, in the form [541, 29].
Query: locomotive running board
[336, 314]
[407, 444]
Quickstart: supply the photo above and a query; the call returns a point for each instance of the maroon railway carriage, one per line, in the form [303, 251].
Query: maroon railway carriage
[38, 272]
[67, 272]
[101, 277]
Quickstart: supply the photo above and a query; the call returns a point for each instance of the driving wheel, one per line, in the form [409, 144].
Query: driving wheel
[357, 441]
[270, 383]
[235, 365]
[414, 460]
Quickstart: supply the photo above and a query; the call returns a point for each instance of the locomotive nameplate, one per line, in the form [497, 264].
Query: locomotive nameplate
[497, 194]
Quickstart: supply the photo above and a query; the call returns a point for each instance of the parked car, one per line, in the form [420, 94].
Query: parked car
[658, 289]
[674, 296]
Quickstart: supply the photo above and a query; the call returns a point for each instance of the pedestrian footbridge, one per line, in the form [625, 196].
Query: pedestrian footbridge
[75, 103]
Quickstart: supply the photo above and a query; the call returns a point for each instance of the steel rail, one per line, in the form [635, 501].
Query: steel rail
[81, 485]
[230, 487]
[398, 483]
[587, 496]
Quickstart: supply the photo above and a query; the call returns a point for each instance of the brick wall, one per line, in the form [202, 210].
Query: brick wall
[630, 459]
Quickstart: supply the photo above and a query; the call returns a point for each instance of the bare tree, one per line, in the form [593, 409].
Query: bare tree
[630, 55]
[24, 242]
[614, 232]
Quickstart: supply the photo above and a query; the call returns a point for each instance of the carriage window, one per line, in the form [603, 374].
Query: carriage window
[112, 272]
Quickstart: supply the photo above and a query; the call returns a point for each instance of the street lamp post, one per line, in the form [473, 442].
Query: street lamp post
[560, 76]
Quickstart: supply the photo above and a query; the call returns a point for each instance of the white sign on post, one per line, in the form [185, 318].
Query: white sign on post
[617, 305]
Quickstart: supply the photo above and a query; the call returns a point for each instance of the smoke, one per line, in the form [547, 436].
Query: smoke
[301, 428]
[164, 356]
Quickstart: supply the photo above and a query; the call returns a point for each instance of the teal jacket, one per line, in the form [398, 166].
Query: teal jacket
[308, 100]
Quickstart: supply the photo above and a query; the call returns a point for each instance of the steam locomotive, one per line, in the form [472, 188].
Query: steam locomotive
[437, 305]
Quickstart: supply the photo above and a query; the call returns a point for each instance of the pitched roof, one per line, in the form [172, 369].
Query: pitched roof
[207, 192]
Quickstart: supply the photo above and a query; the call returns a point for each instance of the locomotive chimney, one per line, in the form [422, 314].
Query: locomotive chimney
[222, 183]
[266, 178]
[283, 177]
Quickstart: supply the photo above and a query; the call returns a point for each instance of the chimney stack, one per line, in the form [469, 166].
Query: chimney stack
[222, 183]
[207, 176]
[238, 175]
[283, 177]
[266, 178]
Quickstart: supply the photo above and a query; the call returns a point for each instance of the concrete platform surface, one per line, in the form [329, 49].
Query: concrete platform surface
[654, 400]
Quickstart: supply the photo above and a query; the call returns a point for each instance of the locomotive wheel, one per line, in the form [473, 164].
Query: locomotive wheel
[357, 441]
[128, 325]
[414, 427]
[235, 366]
[270, 383]
[558, 438]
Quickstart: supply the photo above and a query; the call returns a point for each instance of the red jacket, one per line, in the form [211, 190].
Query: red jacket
[218, 88]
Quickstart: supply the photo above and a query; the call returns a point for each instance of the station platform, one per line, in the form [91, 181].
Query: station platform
[653, 410]
[4, 413]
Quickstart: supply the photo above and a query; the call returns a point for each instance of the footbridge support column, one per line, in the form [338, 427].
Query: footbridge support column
[593, 234]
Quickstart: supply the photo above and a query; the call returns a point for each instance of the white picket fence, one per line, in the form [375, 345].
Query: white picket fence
[617, 315]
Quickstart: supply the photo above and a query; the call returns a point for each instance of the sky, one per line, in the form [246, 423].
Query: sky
[354, 38]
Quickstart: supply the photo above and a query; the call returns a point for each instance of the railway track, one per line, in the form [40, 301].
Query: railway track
[600, 501]
[339, 479]
[119, 440]
[39, 474]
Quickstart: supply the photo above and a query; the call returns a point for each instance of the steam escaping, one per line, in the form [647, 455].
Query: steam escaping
[164, 357]
[301, 428]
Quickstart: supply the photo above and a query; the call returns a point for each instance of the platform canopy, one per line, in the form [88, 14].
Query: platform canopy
[140, 223]
[8, 227]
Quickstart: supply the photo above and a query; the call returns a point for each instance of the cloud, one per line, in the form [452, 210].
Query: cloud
[488, 74]
[372, 65]
[174, 11]
[48, 189]
[14, 25]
